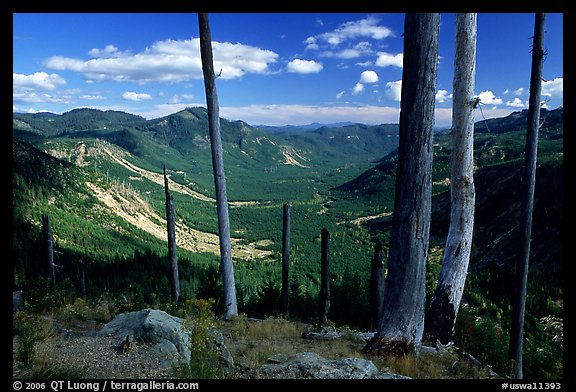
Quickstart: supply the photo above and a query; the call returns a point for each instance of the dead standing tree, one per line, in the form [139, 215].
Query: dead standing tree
[171, 229]
[324, 305]
[226, 265]
[402, 324]
[377, 287]
[441, 315]
[528, 185]
[285, 259]
[47, 234]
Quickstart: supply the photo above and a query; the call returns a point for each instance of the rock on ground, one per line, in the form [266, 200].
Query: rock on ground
[165, 332]
[312, 366]
[168, 334]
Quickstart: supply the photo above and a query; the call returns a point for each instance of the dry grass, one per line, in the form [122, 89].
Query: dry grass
[253, 342]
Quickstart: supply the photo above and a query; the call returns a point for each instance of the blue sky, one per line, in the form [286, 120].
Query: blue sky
[277, 69]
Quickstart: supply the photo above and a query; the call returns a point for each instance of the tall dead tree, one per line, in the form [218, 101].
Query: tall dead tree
[377, 287]
[441, 315]
[49, 243]
[226, 265]
[171, 229]
[324, 306]
[81, 268]
[528, 184]
[402, 323]
[285, 259]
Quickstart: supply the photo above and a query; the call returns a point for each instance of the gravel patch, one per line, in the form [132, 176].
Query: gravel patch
[96, 357]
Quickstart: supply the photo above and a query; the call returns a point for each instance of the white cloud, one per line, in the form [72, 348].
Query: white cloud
[304, 66]
[553, 88]
[364, 28]
[368, 77]
[29, 110]
[518, 91]
[305, 114]
[132, 96]
[506, 91]
[93, 97]
[28, 97]
[38, 80]
[340, 94]
[108, 51]
[311, 43]
[178, 98]
[516, 103]
[387, 59]
[394, 90]
[488, 98]
[443, 96]
[360, 49]
[357, 89]
[364, 63]
[167, 61]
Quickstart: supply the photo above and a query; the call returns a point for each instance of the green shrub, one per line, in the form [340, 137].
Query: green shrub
[204, 354]
[27, 329]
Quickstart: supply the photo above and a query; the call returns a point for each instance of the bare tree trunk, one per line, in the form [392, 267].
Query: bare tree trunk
[528, 184]
[377, 288]
[82, 278]
[47, 232]
[325, 276]
[226, 265]
[402, 323]
[285, 259]
[171, 229]
[441, 316]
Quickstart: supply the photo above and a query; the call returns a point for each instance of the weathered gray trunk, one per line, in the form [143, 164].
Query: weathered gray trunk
[325, 276]
[47, 233]
[377, 288]
[402, 323]
[285, 259]
[528, 184]
[226, 265]
[441, 315]
[171, 229]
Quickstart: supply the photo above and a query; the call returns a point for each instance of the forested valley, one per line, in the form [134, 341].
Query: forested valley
[98, 176]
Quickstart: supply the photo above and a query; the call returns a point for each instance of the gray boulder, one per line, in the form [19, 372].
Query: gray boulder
[312, 366]
[169, 335]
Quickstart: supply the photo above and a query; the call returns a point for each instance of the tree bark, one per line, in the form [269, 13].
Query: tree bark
[171, 229]
[226, 265]
[325, 276]
[285, 259]
[441, 315]
[377, 288]
[402, 323]
[528, 184]
[47, 232]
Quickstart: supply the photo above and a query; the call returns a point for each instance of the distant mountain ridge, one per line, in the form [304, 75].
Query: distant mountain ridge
[299, 128]
[186, 131]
